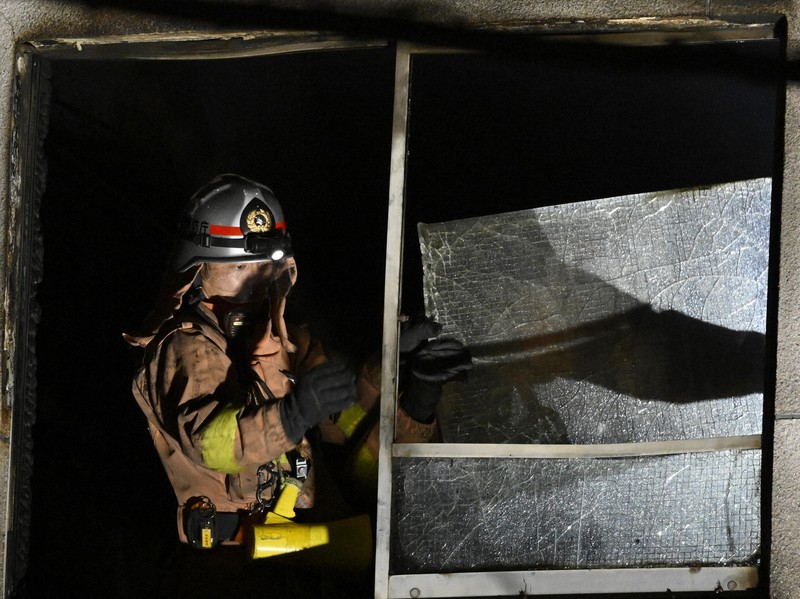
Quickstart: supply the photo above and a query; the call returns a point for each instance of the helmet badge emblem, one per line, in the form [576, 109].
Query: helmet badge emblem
[258, 221]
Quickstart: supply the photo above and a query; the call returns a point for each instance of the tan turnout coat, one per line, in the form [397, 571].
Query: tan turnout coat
[188, 375]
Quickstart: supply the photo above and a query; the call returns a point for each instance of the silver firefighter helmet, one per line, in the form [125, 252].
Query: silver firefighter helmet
[231, 219]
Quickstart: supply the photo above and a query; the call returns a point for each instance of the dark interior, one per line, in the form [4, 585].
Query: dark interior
[130, 141]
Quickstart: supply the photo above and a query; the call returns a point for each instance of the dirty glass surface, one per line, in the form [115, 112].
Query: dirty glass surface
[635, 318]
[507, 514]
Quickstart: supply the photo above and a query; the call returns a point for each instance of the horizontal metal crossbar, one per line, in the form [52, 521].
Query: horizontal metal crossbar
[610, 450]
[556, 582]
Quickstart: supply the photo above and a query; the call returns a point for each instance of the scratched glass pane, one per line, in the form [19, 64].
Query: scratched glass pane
[484, 514]
[635, 318]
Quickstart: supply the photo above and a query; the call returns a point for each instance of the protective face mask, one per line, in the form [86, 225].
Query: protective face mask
[236, 282]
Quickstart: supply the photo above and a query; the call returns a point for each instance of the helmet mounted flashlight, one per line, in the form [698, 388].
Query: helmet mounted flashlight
[277, 247]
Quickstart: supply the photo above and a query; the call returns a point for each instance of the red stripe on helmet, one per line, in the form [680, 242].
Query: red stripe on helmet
[222, 230]
[236, 231]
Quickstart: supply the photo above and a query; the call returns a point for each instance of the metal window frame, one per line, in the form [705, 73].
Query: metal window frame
[542, 582]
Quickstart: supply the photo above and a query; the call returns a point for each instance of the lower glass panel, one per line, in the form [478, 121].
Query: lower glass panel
[485, 514]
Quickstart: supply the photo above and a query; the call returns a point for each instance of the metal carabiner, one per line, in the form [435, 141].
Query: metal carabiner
[267, 477]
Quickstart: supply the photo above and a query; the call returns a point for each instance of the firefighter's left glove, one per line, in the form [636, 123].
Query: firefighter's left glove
[322, 391]
[415, 332]
[435, 363]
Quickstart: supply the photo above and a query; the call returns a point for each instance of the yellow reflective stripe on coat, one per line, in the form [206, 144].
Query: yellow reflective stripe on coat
[219, 439]
[349, 419]
[365, 467]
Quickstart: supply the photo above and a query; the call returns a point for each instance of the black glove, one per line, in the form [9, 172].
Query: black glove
[322, 391]
[427, 366]
[415, 332]
[439, 361]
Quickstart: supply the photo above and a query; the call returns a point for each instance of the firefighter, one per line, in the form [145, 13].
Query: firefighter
[231, 391]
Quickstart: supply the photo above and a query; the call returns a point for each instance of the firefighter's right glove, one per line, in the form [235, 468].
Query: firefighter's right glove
[432, 364]
[320, 392]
